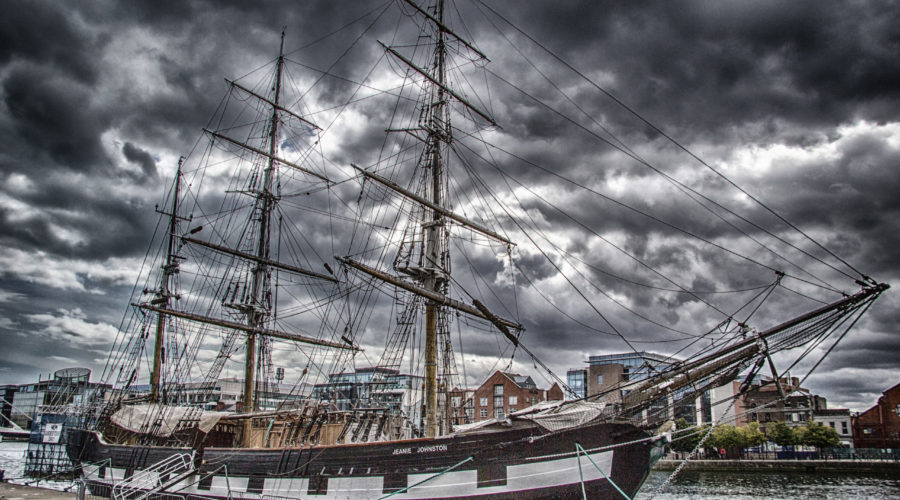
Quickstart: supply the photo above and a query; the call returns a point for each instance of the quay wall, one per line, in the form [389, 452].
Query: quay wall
[868, 466]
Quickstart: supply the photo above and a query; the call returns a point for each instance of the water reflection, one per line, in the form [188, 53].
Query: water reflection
[771, 485]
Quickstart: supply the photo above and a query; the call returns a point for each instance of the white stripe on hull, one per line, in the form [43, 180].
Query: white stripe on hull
[534, 475]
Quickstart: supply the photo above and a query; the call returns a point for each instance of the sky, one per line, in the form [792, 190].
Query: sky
[796, 102]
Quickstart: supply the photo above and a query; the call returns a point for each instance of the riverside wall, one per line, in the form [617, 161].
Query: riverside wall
[848, 466]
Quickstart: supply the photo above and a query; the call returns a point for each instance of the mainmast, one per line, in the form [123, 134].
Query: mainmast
[428, 265]
[260, 307]
[434, 278]
[163, 294]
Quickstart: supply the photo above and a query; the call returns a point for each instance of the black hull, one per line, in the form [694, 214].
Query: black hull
[518, 463]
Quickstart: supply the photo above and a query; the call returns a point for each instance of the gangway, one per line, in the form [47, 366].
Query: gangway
[156, 478]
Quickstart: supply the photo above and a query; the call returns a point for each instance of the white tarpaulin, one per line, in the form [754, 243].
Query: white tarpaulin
[143, 418]
[554, 415]
[551, 415]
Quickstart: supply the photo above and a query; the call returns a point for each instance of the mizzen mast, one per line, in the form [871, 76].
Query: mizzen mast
[164, 293]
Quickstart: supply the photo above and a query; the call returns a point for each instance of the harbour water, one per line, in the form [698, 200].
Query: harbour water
[769, 485]
[690, 485]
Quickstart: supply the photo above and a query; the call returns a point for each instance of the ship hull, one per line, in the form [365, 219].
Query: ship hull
[520, 463]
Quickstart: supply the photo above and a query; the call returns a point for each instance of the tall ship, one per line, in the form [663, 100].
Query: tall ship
[281, 254]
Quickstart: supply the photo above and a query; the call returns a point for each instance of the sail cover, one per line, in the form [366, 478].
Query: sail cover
[560, 416]
[551, 415]
[163, 420]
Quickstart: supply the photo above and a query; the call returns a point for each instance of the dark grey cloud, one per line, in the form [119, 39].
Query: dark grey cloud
[99, 99]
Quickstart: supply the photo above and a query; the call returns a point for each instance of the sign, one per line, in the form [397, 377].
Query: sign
[52, 432]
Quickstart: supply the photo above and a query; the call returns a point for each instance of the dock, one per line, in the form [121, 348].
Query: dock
[12, 491]
[848, 466]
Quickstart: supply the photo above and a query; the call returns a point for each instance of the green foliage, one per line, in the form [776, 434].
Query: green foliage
[726, 436]
[752, 435]
[817, 435]
[684, 439]
[731, 437]
[782, 434]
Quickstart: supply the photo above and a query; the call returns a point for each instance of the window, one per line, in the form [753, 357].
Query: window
[455, 401]
[513, 400]
[498, 402]
[498, 390]
[844, 427]
[600, 379]
[484, 413]
[498, 413]
[482, 402]
[831, 424]
[512, 409]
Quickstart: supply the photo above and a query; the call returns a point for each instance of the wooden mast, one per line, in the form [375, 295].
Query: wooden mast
[163, 294]
[435, 244]
[259, 310]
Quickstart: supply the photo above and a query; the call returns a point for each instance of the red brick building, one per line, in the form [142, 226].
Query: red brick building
[879, 426]
[503, 393]
[462, 406]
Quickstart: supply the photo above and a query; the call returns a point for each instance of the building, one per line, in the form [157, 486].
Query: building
[462, 406]
[838, 419]
[373, 387]
[879, 426]
[227, 394]
[504, 393]
[763, 403]
[604, 375]
[22, 403]
[605, 372]
[576, 379]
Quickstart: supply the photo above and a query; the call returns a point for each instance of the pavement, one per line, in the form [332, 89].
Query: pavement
[10, 491]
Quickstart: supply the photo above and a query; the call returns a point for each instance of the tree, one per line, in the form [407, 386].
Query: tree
[752, 436]
[684, 439]
[782, 435]
[817, 435]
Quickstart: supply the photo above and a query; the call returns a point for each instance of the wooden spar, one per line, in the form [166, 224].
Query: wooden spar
[267, 262]
[163, 293]
[447, 30]
[710, 363]
[451, 215]
[273, 104]
[270, 156]
[260, 286]
[443, 87]
[247, 328]
[430, 295]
